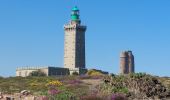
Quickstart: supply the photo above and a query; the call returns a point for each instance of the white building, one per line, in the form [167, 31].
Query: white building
[48, 70]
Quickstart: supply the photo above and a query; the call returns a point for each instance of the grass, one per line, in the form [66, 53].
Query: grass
[74, 87]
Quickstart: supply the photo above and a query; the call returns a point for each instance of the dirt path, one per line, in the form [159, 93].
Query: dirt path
[92, 83]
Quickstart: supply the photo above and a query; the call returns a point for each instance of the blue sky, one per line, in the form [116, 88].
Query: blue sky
[31, 33]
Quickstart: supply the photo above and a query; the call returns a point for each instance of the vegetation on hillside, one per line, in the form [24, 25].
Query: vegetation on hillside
[136, 86]
[93, 86]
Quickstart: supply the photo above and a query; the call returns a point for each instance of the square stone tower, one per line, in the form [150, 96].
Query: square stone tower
[74, 44]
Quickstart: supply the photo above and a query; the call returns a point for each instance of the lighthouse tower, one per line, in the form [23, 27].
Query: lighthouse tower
[74, 43]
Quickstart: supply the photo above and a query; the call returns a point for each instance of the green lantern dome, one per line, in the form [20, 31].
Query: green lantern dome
[75, 9]
[75, 14]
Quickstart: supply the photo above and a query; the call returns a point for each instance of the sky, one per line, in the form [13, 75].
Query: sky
[31, 33]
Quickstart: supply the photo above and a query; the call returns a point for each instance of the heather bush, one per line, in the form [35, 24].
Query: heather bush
[75, 81]
[75, 88]
[84, 77]
[91, 97]
[43, 98]
[118, 97]
[53, 91]
[56, 91]
[65, 78]
[65, 95]
[58, 94]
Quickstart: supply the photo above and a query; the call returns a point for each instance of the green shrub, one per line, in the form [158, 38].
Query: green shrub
[75, 73]
[112, 75]
[137, 75]
[1, 78]
[37, 73]
[94, 73]
[120, 90]
[108, 89]
[65, 95]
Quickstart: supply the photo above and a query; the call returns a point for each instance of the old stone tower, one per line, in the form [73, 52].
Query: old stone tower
[127, 64]
[74, 44]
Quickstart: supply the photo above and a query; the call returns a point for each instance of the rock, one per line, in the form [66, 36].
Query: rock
[25, 92]
[1, 95]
